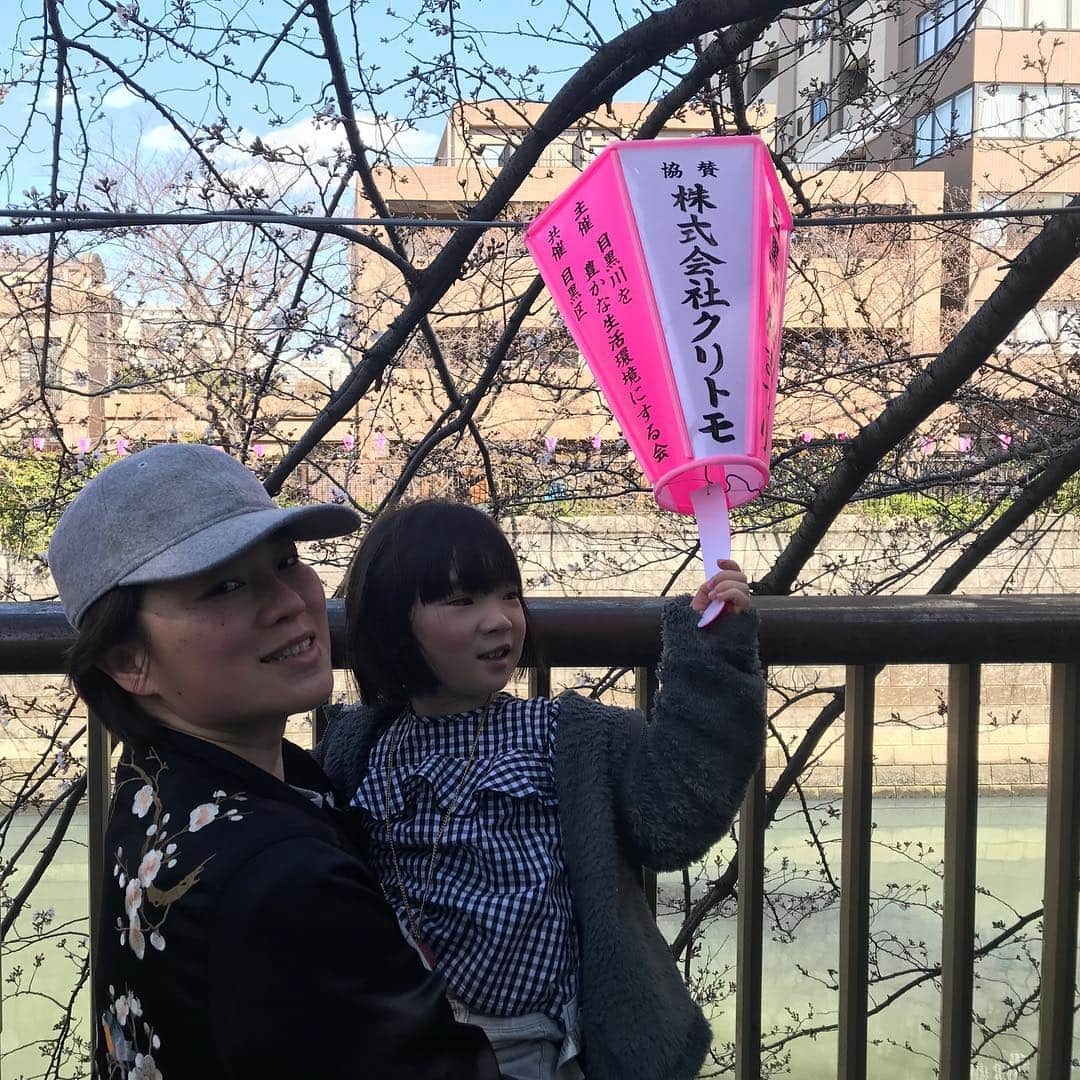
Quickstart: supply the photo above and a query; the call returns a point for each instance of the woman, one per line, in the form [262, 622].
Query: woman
[242, 936]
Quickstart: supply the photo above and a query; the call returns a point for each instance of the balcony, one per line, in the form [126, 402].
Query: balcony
[864, 635]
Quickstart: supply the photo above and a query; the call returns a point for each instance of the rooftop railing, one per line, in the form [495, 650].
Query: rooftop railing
[864, 635]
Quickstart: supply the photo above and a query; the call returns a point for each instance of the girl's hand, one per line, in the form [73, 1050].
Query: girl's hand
[730, 585]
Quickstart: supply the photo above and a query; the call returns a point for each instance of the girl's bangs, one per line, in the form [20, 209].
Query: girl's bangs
[469, 559]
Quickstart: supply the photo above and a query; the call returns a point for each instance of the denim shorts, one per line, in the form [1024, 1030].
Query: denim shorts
[529, 1047]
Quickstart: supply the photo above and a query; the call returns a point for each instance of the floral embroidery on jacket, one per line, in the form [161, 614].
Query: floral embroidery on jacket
[146, 904]
[123, 1031]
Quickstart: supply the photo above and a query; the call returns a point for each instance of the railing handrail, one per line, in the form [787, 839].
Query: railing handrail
[624, 631]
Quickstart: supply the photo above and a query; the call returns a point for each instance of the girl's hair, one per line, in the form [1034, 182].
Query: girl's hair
[111, 620]
[421, 552]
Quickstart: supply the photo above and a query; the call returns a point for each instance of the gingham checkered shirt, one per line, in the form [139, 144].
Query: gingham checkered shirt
[499, 916]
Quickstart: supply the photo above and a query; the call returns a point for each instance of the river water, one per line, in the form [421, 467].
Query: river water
[907, 849]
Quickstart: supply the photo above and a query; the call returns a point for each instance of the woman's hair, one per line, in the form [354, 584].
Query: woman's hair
[421, 552]
[111, 620]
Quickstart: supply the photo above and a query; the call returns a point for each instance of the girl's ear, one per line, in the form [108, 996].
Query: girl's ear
[128, 666]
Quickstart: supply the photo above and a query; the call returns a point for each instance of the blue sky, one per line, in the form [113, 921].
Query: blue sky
[120, 124]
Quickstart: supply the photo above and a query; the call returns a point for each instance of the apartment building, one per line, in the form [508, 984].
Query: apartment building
[983, 93]
[887, 279]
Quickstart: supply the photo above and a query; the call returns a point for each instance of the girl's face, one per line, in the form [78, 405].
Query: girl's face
[472, 642]
[230, 654]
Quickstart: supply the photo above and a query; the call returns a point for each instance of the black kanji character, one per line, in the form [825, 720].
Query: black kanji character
[672, 170]
[695, 198]
[567, 276]
[630, 375]
[707, 168]
[558, 250]
[603, 242]
[553, 234]
[695, 226]
[624, 296]
[590, 270]
[618, 275]
[584, 225]
[699, 297]
[700, 262]
[660, 451]
[580, 208]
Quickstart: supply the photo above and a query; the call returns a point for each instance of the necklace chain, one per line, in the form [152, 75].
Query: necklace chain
[416, 919]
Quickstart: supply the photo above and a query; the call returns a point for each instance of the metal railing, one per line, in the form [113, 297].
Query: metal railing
[863, 635]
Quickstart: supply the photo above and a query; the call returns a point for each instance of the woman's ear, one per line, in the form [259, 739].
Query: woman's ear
[128, 666]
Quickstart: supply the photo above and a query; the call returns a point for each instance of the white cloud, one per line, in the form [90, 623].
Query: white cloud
[119, 97]
[310, 148]
[163, 137]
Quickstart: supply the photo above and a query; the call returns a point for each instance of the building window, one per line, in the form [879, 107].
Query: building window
[1028, 111]
[819, 108]
[944, 127]
[940, 25]
[1050, 14]
[819, 24]
[1049, 328]
[30, 362]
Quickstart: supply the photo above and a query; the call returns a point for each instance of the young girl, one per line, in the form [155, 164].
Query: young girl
[199, 632]
[509, 834]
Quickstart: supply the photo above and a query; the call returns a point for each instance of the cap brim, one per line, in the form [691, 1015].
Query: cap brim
[226, 539]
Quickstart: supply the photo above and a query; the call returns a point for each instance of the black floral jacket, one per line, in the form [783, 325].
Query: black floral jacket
[243, 936]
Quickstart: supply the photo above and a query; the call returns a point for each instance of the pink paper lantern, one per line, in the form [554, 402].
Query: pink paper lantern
[380, 443]
[807, 437]
[260, 451]
[1005, 440]
[841, 436]
[122, 445]
[39, 443]
[550, 442]
[965, 444]
[84, 446]
[597, 442]
[928, 446]
[668, 261]
[348, 442]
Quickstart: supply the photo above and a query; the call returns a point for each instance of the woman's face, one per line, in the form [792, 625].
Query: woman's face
[235, 651]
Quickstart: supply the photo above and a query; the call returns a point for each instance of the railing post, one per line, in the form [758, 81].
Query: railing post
[855, 871]
[749, 930]
[540, 681]
[98, 794]
[1059, 892]
[644, 692]
[958, 891]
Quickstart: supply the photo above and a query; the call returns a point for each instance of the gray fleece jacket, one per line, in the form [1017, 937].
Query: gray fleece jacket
[633, 794]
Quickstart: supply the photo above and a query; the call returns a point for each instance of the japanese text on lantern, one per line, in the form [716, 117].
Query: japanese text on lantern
[596, 285]
[702, 299]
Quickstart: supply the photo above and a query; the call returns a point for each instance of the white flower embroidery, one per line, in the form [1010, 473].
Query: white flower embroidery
[149, 867]
[132, 899]
[145, 1069]
[201, 816]
[135, 1005]
[136, 939]
[121, 1008]
[144, 799]
[157, 941]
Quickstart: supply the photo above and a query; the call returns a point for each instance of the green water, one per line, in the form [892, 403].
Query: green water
[1010, 853]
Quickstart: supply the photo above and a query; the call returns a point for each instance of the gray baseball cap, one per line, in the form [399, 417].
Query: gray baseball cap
[166, 513]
